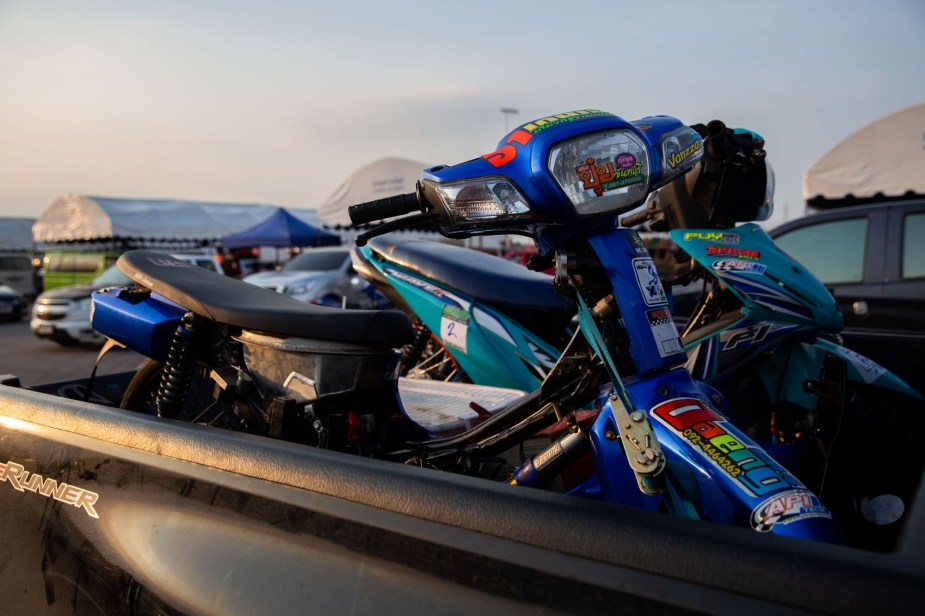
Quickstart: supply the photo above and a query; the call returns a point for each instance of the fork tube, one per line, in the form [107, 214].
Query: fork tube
[654, 342]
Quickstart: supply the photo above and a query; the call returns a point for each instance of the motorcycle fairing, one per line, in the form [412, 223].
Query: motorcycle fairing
[478, 337]
[729, 350]
[866, 370]
[769, 283]
[779, 298]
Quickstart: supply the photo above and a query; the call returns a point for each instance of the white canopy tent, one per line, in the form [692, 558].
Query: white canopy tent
[885, 159]
[381, 178]
[85, 218]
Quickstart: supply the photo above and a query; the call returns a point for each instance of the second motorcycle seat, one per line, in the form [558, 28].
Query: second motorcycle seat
[481, 276]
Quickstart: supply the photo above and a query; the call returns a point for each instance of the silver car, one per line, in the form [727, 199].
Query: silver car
[320, 276]
[63, 314]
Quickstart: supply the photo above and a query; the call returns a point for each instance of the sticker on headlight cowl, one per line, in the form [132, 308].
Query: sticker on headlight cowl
[647, 276]
[675, 158]
[24, 481]
[561, 118]
[624, 170]
[787, 507]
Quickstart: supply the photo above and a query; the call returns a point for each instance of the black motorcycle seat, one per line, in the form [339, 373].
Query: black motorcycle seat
[483, 277]
[233, 302]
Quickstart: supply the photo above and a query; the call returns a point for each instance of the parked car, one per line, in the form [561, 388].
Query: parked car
[872, 258]
[320, 276]
[17, 272]
[63, 314]
[12, 304]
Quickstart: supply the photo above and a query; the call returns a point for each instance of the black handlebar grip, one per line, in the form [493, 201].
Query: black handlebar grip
[379, 209]
[716, 140]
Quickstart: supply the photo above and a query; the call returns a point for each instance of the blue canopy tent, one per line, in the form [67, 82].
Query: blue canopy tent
[282, 229]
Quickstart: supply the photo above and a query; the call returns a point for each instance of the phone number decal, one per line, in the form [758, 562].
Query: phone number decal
[749, 466]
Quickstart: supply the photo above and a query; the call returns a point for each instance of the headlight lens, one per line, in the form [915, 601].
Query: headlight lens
[299, 289]
[482, 200]
[602, 173]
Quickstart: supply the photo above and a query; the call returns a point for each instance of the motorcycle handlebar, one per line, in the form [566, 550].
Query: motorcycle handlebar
[380, 209]
[716, 143]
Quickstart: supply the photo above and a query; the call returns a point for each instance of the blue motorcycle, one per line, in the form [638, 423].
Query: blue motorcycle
[764, 330]
[656, 438]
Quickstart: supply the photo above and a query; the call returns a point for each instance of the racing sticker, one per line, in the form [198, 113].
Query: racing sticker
[712, 236]
[786, 508]
[736, 253]
[22, 480]
[738, 265]
[664, 331]
[522, 135]
[869, 370]
[747, 465]
[623, 170]
[454, 327]
[646, 275]
[638, 244]
[425, 286]
[676, 158]
[751, 334]
[560, 118]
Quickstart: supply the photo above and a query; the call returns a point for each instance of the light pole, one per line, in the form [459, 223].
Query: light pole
[508, 112]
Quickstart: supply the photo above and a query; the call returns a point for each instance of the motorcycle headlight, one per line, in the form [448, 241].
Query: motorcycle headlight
[300, 289]
[482, 200]
[602, 173]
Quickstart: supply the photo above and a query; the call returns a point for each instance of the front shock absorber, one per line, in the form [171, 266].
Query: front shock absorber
[178, 368]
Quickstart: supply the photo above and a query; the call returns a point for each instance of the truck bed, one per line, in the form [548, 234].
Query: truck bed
[111, 512]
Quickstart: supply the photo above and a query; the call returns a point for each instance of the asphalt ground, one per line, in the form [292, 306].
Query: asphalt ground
[39, 361]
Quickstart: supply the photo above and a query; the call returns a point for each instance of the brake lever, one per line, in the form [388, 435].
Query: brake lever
[405, 222]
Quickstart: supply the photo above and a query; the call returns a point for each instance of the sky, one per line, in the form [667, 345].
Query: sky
[279, 101]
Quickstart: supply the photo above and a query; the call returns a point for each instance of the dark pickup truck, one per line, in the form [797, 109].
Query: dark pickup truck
[872, 258]
[111, 512]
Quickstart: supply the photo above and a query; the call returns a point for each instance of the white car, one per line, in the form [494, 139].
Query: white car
[321, 276]
[63, 314]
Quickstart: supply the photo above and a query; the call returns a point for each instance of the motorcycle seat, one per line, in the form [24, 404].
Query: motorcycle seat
[483, 277]
[233, 302]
